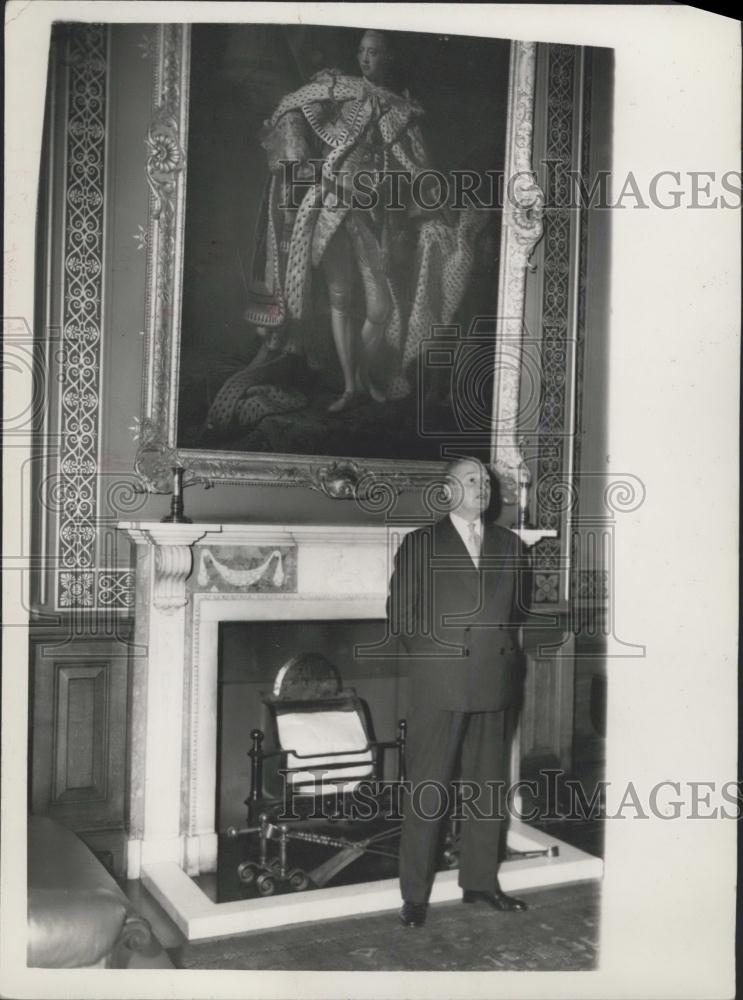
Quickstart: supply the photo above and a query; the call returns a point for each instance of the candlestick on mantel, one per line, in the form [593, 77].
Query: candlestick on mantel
[522, 499]
[176, 515]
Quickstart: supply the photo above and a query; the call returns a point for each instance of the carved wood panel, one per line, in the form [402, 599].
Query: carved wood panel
[547, 719]
[80, 752]
[78, 735]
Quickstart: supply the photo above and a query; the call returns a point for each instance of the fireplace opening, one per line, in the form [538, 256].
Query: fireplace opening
[250, 656]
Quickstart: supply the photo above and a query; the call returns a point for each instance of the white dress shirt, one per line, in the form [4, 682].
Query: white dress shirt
[472, 540]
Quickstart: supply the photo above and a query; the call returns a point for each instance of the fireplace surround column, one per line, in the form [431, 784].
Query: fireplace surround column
[164, 559]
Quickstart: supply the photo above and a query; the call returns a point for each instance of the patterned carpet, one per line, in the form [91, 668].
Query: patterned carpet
[558, 932]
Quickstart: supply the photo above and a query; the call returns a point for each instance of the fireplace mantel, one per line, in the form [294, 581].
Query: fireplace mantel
[228, 533]
[190, 577]
[175, 549]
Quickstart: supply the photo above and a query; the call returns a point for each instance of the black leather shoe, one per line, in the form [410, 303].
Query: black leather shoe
[498, 900]
[413, 914]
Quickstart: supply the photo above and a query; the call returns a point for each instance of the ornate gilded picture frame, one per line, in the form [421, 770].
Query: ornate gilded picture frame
[210, 310]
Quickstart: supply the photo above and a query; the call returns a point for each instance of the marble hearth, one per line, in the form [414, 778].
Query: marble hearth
[191, 577]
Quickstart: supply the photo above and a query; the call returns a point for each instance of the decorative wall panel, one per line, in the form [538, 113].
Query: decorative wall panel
[80, 581]
[580, 329]
[82, 312]
[79, 747]
[589, 575]
[235, 569]
[78, 774]
[553, 496]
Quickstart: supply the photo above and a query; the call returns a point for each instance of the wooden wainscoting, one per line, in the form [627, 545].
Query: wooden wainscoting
[546, 724]
[78, 738]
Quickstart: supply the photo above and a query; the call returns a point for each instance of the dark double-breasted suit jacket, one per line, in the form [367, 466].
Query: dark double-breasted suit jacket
[457, 624]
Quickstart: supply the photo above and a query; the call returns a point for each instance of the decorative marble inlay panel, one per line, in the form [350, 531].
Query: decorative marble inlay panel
[592, 584]
[580, 328]
[115, 588]
[231, 569]
[547, 588]
[75, 589]
[95, 589]
[82, 314]
[553, 418]
[581, 588]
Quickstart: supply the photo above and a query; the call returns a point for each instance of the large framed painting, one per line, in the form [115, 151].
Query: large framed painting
[339, 230]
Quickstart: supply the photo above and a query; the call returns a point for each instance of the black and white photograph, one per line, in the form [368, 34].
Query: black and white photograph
[369, 547]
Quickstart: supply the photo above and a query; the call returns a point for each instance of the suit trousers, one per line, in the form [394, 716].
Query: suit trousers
[437, 739]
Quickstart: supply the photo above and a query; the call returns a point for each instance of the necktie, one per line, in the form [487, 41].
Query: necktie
[474, 542]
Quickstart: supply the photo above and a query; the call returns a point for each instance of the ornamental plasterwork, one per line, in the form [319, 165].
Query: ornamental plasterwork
[79, 582]
[555, 499]
[237, 569]
[522, 230]
[166, 160]
[587, 584]
[82, 297]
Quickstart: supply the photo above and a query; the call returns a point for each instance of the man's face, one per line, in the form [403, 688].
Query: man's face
[373, 57]
[471, 489]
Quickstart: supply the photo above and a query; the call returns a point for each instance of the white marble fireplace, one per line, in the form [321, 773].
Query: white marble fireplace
[191, 577]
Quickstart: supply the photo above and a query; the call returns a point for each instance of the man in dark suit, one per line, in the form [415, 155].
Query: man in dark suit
[453, 605]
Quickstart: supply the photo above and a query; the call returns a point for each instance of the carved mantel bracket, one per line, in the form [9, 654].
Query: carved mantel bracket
[173, 558]
[530, 536]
